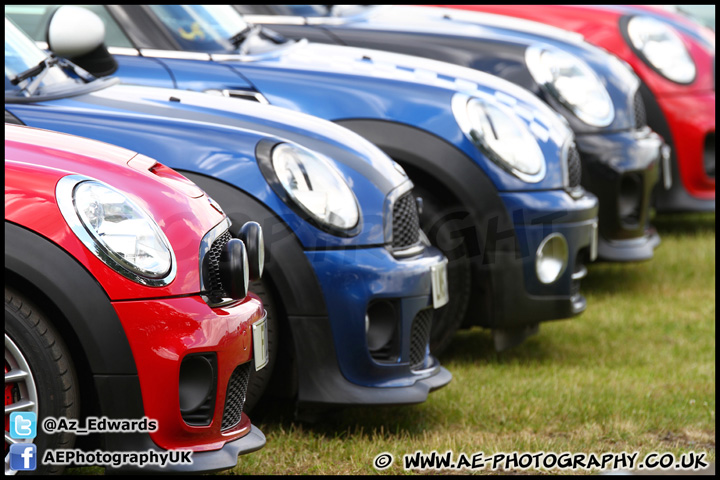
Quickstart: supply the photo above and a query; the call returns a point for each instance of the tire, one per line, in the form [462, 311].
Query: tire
[259, 380]
[447, 319]
[32, 343]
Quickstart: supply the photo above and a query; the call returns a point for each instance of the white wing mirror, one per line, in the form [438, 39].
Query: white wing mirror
[75, 31]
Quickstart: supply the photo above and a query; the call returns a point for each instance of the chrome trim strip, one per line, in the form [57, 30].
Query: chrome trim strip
[237, 57]
[175, 54]
[66, 202]
[274, 19]
[131, 52]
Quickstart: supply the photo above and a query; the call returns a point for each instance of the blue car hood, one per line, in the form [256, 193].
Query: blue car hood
[619, 79]
[338, 83]
[217, 136]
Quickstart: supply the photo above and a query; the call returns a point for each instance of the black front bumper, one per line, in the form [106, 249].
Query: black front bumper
[622, 169]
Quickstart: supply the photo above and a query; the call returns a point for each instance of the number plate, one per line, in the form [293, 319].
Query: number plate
[260, 343]
[439, 284]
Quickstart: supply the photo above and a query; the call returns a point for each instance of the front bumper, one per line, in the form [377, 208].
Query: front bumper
[518, 298]
[691, 119]
[335, 364]
[622, 169]
[161, 334]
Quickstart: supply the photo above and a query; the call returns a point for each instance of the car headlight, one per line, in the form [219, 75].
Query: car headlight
[314, 185]
[660, 46]
[573, 83]
[501, 136]
[116, 230]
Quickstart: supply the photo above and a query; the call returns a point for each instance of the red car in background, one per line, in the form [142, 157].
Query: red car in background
[677, 67]
[106, 315]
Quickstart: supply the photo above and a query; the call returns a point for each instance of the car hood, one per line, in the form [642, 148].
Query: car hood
[179, 207]
[217, 136]
[458, 22]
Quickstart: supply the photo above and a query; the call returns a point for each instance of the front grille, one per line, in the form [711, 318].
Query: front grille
[211, 266]
[420, 337]
[406, 224]
[574, 167]
[639, 107]
[235, 397]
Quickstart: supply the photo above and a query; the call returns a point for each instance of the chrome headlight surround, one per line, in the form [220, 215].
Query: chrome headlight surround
[660, 47]
[88, 204]
[501, 136]
[573, 83]
[311, 185]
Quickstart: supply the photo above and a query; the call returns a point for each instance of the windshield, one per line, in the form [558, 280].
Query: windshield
[207, 28]
[21, 54]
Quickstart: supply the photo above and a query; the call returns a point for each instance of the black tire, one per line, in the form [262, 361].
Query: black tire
[440, 232]
[259, 380]
[31, 338]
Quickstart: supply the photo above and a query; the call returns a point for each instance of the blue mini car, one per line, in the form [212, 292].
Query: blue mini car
[342, 291]
[497, 170]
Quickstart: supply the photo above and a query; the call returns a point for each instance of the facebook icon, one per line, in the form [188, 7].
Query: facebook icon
[23, 456]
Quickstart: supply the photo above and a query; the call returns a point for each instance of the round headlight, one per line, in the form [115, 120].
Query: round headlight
[660, 46]
[316, 186]
[573, 83]
[501, 136]
[117, 230]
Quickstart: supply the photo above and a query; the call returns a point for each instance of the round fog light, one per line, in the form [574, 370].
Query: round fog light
[552, 258]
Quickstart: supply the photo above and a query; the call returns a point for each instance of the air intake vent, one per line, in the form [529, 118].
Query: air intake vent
[574, 167]
[639, 107]
[211, 267]
[406, 224]
[235, 397]
[420, 337]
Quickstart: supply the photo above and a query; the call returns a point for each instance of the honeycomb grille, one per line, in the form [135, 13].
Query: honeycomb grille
[639, 107]
[574, 167]
[211, 264]
[235, 397]
[420, 337]
[406, 224]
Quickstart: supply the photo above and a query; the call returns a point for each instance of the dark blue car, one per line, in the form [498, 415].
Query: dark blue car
[349, 286]
[603, 101]
[498, 171]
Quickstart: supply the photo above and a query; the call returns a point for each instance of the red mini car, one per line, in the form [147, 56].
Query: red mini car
[677, 68]
[110, 259]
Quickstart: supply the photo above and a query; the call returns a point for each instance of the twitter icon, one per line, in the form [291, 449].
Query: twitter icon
[23, 425]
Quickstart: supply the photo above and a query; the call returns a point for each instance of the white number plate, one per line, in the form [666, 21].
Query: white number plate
[439, 284]
[260, 343]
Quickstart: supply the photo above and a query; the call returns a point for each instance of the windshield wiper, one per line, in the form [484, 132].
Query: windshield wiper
[241, 39]
[40, 70]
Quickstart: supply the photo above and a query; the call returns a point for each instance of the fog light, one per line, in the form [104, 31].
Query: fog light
[380, 325]
[196, 388]
[552, 258]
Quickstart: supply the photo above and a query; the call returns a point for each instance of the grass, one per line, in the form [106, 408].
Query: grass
[635, 372]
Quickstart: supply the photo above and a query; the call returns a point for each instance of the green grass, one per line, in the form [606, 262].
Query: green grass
[635, 372]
